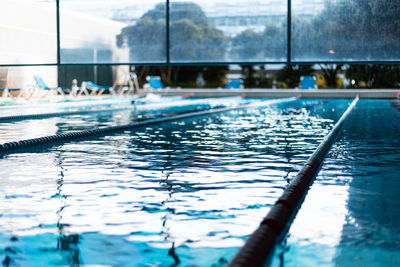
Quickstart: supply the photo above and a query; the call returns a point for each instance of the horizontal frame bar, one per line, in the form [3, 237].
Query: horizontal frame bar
[224, 63]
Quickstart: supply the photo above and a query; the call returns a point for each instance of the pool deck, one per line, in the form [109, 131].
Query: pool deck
[271, 93]
[6, 102]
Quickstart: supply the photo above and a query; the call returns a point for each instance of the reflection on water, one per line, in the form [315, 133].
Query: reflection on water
[354, 207]
[187, 192]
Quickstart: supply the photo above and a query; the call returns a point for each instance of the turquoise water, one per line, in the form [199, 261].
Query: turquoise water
[351, 216]
[185, 193]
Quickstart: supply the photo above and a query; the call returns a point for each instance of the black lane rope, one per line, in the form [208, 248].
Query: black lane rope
[57, 114]
[22, 144]
[259, 247]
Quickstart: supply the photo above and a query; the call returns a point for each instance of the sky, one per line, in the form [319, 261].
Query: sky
[107, 8]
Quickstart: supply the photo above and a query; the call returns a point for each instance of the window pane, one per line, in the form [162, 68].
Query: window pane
[104, 31]
[28, 32]
[228, 31]
[345, 30]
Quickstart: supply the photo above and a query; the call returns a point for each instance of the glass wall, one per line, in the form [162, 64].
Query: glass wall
[228, 31]
[123, 31]
[345, 30]
[198, 31]
[28, 32]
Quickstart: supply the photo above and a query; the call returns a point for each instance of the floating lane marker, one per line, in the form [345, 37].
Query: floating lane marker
[259, 247]
[59, 138]
[57, 114]
[138, 107]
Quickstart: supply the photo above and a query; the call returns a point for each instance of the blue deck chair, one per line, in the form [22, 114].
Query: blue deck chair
[155, 82]
[234, 84]
[96, 89]
[42, 86]
[308, 82]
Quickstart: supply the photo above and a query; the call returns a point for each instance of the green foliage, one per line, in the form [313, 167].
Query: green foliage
[350, 30]
[191, 37]
[146, 39]
[184, 76]
[188, 10]
[330, 73]
[374, 76]
[190, 41]
[268, 44]
[214, 76]
[290, 74]
[249, 79]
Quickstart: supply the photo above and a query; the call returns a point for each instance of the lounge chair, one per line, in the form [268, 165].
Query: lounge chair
[127, 84]
[14, 93]
[154, 82]
[43, 90]
[95, 89]
[76, 91]
[234, 84]
[308, 82]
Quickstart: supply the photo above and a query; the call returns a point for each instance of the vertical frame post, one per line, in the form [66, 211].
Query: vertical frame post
[167, 31]
[289, 32]
[58, 32]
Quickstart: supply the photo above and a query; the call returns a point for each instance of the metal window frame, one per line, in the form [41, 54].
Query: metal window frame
[167, 62]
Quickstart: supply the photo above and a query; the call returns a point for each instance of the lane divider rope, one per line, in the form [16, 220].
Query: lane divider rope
[46, 140]
[136, 106]
[259, 247]
[56, 114]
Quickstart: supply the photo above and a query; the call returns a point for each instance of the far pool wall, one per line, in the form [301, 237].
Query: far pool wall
[270, 93]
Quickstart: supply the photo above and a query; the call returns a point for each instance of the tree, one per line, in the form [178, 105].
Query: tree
[330, 73]
[350, 30]
[191, 37]
[270, 44]
[146, 39]
[374, 75]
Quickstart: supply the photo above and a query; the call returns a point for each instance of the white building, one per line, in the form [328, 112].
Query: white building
[28, 34]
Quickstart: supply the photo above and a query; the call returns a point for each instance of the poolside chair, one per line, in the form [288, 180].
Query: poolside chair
[95, 89]
[234, 84]
[308, 82]
[43, 90]
[76, 91]
[153, 82]
[15, 93]
[127, 84]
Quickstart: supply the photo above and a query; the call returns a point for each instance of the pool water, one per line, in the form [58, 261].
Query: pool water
[186, 192]
[351, 215]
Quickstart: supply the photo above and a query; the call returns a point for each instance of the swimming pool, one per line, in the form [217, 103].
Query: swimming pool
[184, 192]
